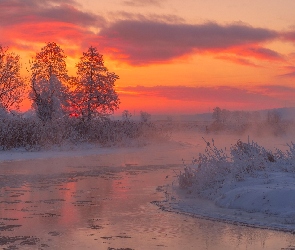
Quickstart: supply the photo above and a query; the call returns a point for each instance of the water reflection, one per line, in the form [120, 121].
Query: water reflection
[101, 208]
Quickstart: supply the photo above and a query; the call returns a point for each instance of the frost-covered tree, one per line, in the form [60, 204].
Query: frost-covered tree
[12, 86]
[48, 74]
[94, 93]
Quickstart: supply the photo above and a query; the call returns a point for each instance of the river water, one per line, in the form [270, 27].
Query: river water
[106, 202]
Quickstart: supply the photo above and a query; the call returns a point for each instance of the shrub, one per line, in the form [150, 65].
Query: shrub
[31, 133]
[216, 166]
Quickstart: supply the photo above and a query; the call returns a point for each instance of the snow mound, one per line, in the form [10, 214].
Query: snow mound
[243, 182]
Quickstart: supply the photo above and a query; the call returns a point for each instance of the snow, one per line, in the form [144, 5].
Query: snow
[258, 202]
[246, 188]
[271, 195]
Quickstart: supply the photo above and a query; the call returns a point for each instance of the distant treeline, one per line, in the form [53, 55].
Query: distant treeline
[246, 121]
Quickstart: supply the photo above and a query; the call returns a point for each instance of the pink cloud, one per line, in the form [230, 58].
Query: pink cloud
[290, 36]
[42, 32]
[261, 53]
[238, 60]
[240, 55]
[291, 72]
[34, 11]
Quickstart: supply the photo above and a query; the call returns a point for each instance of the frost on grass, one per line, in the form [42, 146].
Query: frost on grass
[247, 177]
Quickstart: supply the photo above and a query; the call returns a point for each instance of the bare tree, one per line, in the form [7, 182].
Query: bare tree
[12, 86]
[48, 72]
[94, 93]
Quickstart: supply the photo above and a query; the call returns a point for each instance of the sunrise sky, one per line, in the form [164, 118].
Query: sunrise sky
[172, 56]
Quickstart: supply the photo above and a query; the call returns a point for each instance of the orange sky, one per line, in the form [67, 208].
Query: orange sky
[172, 56]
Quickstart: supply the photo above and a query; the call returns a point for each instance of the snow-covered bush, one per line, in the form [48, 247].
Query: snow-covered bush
[31, 133]
[216, 166]
[207, 170]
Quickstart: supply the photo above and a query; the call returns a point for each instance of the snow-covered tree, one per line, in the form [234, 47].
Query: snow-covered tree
[48, 73]
[94, 93]
[12, 86]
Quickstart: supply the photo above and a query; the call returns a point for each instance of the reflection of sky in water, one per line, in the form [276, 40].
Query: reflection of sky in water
[94, 208]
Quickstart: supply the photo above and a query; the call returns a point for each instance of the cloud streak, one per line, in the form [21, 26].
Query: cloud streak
[277, 90]
[221, 94]
[261, 53]
[237, 60]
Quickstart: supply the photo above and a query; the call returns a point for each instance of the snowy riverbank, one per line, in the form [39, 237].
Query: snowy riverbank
[251, 186]
[252, 202]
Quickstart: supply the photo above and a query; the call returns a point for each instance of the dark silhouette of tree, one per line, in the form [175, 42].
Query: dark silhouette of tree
[12, 86]
[48, 72]
[94, 94]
